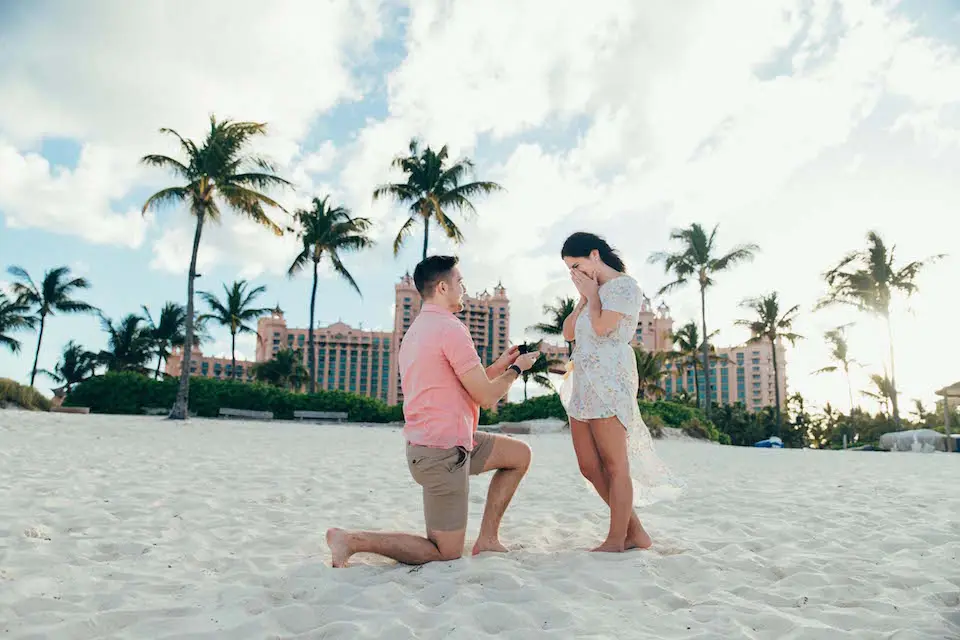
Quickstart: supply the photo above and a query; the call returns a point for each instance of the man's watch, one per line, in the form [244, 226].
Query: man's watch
[514, 367]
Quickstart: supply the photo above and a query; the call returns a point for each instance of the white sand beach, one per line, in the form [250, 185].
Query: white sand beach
[127, 527]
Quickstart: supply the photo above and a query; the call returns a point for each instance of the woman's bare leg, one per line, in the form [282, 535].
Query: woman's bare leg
[611, 440]
[592, 469]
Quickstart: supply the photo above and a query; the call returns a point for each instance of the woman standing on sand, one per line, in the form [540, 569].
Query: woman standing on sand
[613, 445]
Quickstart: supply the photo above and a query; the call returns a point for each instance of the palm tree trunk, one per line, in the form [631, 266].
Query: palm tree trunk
[893, 377]
[708, 395]
[426, 235]
[233, 355]
[159, 363]
[846, 370]
[776, 387]
[36, 357]
[181, 404]
[524, 388]
[312, 356]
[696, 380]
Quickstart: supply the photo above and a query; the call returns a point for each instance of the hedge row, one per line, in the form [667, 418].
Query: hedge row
[131, 393]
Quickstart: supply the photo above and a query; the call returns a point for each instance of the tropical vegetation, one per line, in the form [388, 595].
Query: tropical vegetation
[54, 294]
[218, 172]
[434, 188]
[698, 259]
[324, 232]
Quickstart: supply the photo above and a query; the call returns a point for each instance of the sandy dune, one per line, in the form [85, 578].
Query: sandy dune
[120, 527]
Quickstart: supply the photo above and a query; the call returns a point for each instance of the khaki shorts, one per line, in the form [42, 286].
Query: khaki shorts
[444, 475]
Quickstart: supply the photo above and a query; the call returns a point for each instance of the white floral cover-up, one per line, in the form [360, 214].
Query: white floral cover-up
[603, 382]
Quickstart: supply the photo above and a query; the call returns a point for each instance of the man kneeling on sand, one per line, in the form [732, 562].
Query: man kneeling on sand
[444, 384]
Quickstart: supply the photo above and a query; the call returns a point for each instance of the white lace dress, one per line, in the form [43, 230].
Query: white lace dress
[603, 383]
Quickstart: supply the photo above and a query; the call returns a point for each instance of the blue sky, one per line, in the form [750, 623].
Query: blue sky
[798, 125]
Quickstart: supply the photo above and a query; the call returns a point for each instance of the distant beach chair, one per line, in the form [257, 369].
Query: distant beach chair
[332, 416]
[772, 442]
[245, 414]
[81, 410]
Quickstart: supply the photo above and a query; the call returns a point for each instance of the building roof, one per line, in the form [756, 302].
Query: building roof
[952, 391]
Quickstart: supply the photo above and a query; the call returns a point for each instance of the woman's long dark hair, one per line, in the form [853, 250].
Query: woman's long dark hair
[581, 243]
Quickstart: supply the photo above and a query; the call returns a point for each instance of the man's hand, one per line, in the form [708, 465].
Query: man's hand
[507, 358]
[527, 360]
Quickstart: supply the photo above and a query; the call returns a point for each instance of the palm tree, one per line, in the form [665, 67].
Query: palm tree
[770, 324]
[556, 314]
[686, 354]
[868, 280]
[53, 295]
[883, 391]
[14, 316]
[326, 231]
[697, 260]
[129, 345]
[76, 365]
[650, 372]
[432, 189]
[234, 312]
[217, 172]
[170, 331]
[285, 370]
[839, 353]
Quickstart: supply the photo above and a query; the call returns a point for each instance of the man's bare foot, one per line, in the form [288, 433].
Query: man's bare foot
[339, 542]
[483, 546]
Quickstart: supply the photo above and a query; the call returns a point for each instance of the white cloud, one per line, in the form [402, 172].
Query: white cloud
[780, 119]
[77, 202]
[751, 115]
[144, 67]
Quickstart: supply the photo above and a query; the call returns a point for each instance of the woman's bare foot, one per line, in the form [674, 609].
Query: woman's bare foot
[611, 547]
[483, 546]
[639, 541]
[339, 542]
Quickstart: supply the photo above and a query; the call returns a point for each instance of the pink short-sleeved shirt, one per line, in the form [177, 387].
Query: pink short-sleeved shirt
[437, 410]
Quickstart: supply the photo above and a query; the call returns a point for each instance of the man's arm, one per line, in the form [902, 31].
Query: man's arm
[483, 390]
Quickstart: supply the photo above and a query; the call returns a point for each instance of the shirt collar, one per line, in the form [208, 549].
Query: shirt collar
[429, 307]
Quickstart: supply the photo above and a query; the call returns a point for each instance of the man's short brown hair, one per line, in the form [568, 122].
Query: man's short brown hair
[431, 271]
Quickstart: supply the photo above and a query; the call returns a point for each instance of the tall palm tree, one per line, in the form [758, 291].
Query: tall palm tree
[325, 231]
[76, 365]
[697, 260]
[556, 314]
[771, 324]
[14, 316]
[883, 391]
[217, 172]
[129, 345]
[868, 280]
[169, 331]
[53, 295]
[839, 353]
[433, 188]
[650, 372]
[285, 370]
[234, 312]
[687, 352]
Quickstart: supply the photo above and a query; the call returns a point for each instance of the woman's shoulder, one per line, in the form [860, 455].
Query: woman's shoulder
[624, 284]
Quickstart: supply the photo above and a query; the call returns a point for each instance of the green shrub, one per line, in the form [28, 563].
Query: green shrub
[22, 396]
[131, 393]
[538, 408]
[655, 424]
